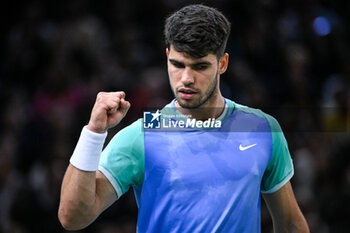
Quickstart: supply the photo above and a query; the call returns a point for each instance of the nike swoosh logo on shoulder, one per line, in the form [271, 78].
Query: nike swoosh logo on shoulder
[243, 148]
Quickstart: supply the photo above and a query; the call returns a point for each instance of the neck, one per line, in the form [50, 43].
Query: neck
[213, 108]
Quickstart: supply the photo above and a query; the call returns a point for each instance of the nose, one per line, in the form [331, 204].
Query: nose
[187, 77]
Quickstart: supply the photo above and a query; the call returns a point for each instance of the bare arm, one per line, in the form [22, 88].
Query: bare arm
[85, 195]
[285, 212]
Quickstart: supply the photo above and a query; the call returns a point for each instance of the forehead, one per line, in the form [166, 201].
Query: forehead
[186, 58]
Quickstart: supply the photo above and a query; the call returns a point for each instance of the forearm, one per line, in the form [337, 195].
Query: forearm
[78, 199]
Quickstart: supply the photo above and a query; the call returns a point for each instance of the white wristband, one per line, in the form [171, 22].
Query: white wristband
[86, 155]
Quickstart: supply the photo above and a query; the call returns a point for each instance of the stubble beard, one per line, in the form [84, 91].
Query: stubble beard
[207, 96]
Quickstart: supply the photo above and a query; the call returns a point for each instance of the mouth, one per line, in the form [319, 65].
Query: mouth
[187, 93]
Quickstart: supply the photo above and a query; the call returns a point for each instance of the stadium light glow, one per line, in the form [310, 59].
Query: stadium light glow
[322, 26]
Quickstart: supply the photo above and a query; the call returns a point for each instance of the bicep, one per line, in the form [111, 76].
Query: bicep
[105, 192]
[281, 202]
[285, 211]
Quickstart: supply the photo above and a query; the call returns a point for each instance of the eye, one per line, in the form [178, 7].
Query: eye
[177, 64]
[200, 66]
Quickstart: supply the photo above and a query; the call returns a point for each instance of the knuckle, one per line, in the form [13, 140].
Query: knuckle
[120, 93]
[101, 93]
[100, 96]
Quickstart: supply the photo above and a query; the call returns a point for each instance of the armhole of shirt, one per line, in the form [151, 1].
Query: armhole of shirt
[280, 162]
[111, 180]
[279, 185]
[122, 161]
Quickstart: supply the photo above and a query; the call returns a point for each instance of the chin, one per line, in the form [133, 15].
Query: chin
[188, 105]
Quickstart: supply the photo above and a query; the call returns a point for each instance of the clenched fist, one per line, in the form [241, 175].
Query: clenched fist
[109, 109]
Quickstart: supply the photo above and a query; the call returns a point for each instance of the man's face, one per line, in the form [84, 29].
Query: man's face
[194, 81]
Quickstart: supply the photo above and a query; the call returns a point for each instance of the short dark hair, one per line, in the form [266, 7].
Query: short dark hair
[197, 30]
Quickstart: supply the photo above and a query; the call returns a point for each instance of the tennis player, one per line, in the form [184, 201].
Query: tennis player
[199, 177]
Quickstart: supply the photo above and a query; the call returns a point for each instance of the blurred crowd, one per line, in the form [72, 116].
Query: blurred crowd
[289, 58]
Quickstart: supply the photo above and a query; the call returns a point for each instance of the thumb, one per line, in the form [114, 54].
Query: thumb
[124, 106]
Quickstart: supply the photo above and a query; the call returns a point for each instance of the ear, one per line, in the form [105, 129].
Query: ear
[167, 52]
[223, 63]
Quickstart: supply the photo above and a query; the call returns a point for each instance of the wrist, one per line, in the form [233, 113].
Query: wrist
[95, 129]
[86, 155]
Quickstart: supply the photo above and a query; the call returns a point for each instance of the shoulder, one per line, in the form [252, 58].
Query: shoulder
[131, 137]
[256, 113]
[136, 127]
[131, 131]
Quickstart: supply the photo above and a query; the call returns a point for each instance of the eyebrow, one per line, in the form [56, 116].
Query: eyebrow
[192, 64]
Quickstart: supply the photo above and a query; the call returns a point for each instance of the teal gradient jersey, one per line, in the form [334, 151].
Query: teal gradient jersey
[200, 180]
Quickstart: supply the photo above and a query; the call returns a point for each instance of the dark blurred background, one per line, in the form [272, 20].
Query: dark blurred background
[289, 58]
